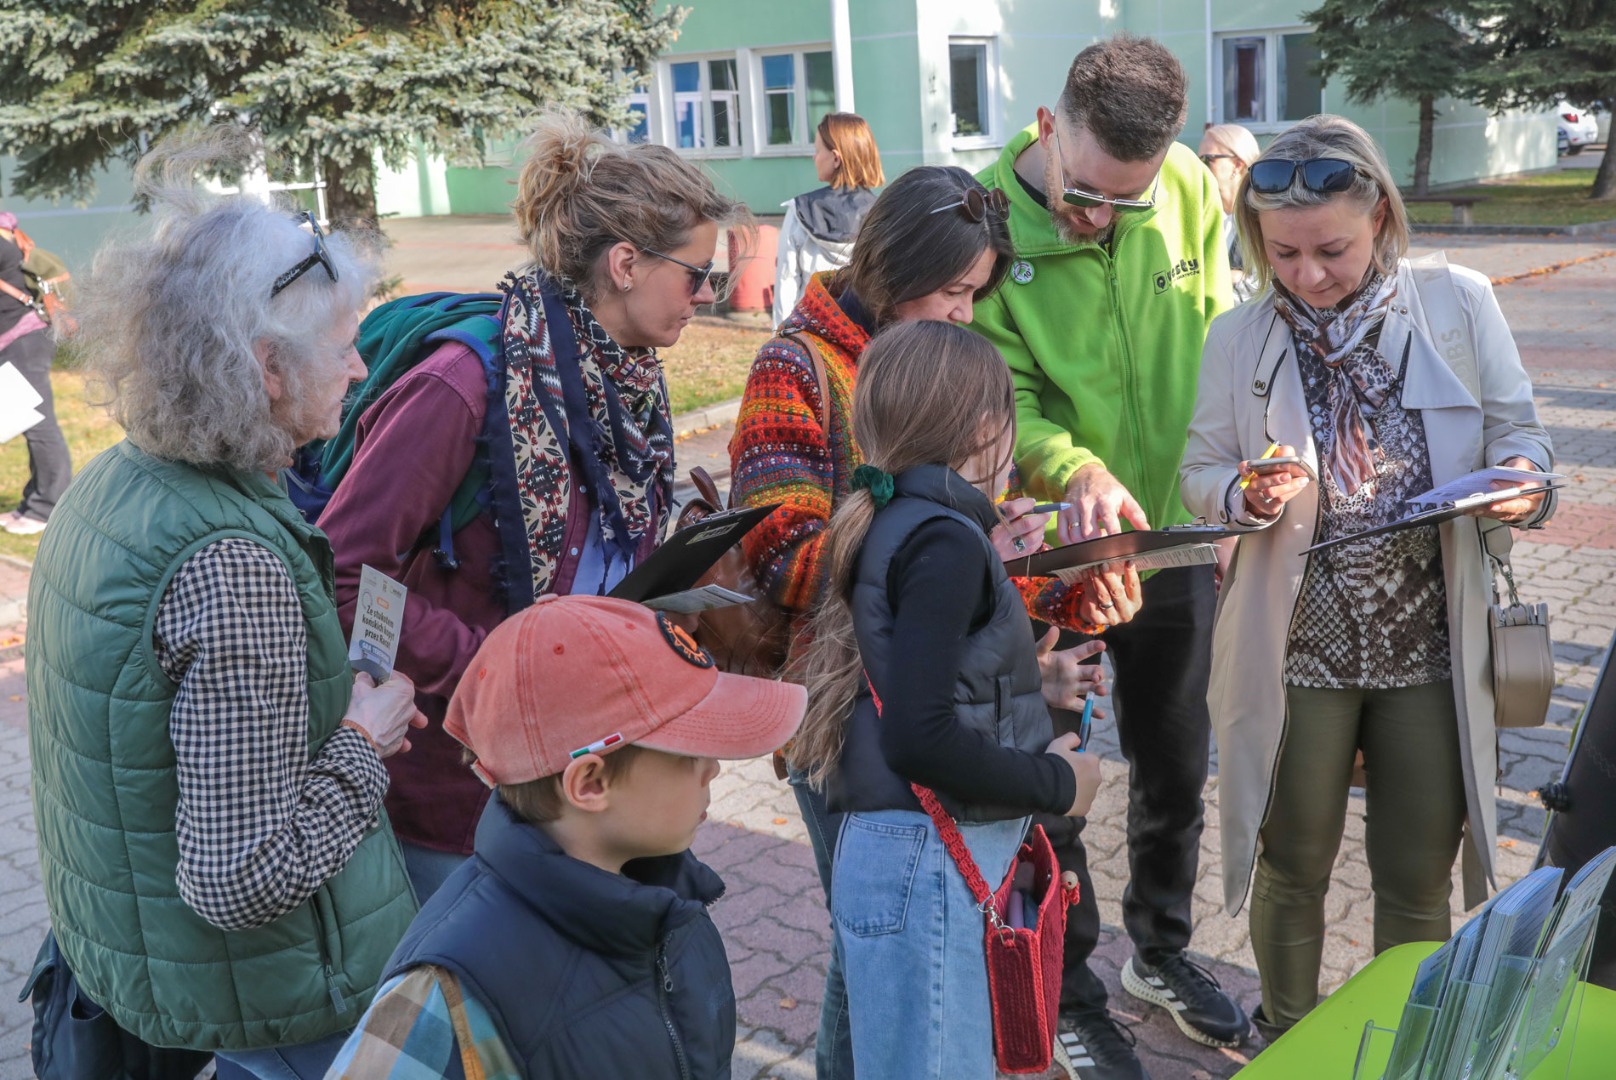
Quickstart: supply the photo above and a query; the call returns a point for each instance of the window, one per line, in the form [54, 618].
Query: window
[706, 96]
[971, 94]
[795, 89]
[1268, 79]
[639, 124]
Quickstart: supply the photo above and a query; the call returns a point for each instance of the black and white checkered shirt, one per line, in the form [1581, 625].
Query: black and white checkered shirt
[261, 824]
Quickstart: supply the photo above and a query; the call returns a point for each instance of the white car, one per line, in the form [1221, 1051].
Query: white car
[1578, 128]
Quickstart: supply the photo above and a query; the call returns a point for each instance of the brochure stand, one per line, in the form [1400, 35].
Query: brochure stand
[1503, 1030]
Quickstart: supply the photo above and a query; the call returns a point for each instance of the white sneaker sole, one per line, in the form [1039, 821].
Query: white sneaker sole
[1136, 985]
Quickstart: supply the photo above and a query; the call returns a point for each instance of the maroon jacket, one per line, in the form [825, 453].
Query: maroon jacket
[412, 449]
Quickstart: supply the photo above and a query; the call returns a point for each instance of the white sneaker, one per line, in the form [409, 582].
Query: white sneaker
[20, 524]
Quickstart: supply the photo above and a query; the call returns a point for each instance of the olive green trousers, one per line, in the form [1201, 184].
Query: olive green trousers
[1415, 814]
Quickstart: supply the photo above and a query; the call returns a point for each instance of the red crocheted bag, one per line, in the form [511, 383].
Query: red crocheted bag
[1024, 965]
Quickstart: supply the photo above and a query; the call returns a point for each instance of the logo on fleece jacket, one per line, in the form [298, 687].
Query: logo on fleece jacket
[1181, 269]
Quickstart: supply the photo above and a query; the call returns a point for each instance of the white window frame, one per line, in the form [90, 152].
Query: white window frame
[1271, 48]
[664, 125]
[992, 136]
[647, 100]
[760, 146]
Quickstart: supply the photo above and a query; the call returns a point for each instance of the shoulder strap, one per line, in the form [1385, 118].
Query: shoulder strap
[818, 360]
[946, 828]
[1433, 280]
[16, 294]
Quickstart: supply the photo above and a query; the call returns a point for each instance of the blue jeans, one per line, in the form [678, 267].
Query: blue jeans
[912, 949]
[833, 1048]
[428, 868]
[305, 1061]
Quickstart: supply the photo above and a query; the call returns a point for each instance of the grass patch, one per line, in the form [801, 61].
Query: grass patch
[1557, 198]
[708, 365]
[710, 362]
[89, 430]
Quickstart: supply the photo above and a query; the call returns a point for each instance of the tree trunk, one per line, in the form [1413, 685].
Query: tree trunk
[1422, 153]
[345, 206]
[1605, 178]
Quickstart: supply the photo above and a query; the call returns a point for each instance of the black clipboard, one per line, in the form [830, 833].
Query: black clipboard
[1122, 545]
[1436, 515]
[685, 556]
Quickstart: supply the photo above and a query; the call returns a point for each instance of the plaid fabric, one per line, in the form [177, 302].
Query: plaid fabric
[421, 1025]
[260, 824]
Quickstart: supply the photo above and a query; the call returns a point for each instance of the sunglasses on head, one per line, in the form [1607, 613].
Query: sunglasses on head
[975, 204]
[1322, 175]
[1088, 200]
[698, 274]
[318, 258]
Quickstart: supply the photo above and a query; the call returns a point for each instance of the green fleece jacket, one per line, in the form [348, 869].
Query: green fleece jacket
[1105, 346]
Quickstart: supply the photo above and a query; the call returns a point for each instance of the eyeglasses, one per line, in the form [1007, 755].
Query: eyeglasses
[1208, 159]
[698, 274]
[1088, 200]
[319, 258]
[1323, 175]
[976, 204]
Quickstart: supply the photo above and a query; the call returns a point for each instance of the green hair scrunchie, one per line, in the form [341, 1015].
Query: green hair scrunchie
[878, 483]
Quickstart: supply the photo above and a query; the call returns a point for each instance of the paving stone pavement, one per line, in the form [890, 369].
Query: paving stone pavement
[773, 918]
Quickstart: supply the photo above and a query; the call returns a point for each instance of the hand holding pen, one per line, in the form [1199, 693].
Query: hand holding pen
[1021, 526]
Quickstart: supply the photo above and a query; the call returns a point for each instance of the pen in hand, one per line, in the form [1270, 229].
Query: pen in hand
[1273, 448]
[1086, 723]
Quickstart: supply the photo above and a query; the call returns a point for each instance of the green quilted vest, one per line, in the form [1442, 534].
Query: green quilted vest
[105, 792]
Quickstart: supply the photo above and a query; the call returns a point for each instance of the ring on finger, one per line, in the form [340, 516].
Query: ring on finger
[1018, 543]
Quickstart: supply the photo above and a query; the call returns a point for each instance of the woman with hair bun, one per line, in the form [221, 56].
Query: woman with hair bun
[819, 227]
[572, 426]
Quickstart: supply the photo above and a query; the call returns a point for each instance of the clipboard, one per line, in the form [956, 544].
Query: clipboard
[1131, 544]
[681, 560]
[1437, 515]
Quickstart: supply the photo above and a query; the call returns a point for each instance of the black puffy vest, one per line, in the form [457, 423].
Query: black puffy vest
[585, 973]
[998, 690]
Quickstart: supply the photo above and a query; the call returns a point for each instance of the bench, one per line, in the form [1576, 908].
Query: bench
[1461, 205]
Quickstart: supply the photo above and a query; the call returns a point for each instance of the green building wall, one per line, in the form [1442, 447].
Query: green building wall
[901, 86]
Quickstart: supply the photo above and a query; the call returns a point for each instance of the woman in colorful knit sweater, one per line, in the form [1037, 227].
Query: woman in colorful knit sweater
[934, 243]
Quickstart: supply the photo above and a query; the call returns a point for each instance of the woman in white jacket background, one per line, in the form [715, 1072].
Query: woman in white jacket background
[1378, 645]
[819, 227]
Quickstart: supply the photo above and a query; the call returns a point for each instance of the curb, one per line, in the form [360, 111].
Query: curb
[705, 419]
[1587, 228]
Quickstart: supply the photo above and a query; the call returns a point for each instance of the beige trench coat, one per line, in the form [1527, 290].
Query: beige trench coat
[1251, 393]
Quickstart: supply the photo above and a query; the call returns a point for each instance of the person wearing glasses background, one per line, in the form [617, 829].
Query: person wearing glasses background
[1120, 268]
[207, 770]
[931, 247]
[819, 227]
[1378, 645]
[579, 452]
[1228, 150]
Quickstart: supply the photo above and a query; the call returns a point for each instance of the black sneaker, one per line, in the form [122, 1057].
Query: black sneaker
[1191, 996]
[1094, 1046]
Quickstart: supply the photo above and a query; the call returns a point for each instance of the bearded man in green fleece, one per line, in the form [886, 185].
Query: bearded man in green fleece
[1120, 268]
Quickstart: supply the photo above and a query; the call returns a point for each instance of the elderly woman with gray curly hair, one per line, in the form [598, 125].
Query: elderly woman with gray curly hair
[207, 770]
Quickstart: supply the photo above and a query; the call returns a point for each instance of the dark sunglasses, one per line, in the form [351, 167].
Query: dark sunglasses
[1208, 159]
[698, 274]
[976, 204]
[318, 258]
[1088, 200]
[1322, 175]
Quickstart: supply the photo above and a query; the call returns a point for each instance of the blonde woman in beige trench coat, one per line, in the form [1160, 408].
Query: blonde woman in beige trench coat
[1251, 395]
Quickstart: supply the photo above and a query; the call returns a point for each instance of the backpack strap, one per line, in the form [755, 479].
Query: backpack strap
[815, 357]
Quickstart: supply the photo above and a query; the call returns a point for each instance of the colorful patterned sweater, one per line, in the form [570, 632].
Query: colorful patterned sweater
[781, 453]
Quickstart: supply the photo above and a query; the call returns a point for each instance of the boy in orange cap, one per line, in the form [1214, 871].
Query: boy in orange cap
[576, 941]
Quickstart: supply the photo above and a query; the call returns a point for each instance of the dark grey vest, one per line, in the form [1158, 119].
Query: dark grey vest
[998, 691]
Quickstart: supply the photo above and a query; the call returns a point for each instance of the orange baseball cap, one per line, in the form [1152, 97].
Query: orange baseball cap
[575, 674]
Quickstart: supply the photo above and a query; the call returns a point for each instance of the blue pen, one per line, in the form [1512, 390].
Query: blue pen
[1087, 722]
